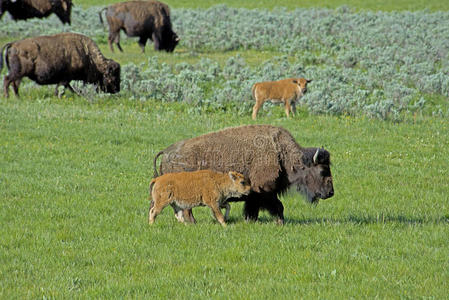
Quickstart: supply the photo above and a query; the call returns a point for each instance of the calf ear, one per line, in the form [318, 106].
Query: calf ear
[309, 80]
[295, 81]
[232, 175]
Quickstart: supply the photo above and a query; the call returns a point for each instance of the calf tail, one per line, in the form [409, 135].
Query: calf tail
[155, 164]
[4, 49]
[99, 14]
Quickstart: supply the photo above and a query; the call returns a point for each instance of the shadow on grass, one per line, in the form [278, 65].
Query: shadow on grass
[367, 220]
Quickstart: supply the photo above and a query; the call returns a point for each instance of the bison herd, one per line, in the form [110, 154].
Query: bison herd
[254, 164]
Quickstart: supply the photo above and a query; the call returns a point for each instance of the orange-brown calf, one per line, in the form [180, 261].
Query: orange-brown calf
[287, 91]
[186, 190]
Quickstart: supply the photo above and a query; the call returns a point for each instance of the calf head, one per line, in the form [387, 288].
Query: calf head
[314, 177]
[239, 185]
[111, 78]
[302, 83]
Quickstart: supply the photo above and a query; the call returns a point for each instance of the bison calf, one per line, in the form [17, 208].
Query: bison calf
[148, 20]
[59, 59]
[26, 9]
[287, 91]
[186, 190]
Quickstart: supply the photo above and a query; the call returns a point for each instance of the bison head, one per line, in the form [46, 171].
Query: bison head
[170, 43]
[111, 78]
[313, 177]
[302, 83]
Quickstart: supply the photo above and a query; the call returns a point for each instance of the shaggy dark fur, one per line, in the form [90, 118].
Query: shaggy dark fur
[143, 19]
[267, 155]
[26, 9]
[58, 59]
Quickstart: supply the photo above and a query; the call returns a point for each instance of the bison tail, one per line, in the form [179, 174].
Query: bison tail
[155, 164]
[99, 14]
[4, 49]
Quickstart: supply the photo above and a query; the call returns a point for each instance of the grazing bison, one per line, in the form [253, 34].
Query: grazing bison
[185, 190]
[143, 19]
[58, 59]
[287, 91]
[26, 9]
[268, 156]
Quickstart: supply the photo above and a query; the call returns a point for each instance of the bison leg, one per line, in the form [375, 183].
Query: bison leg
[269, 202]
[114, 37]
[15, 86]
[142, 41]
[156, 41]
[251, 209]
[6, 83]
[228, 209]
[275, 208]
[66, 85]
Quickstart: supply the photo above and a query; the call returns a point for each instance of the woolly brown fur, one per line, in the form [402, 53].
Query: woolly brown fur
[58, 59]
[186, 190]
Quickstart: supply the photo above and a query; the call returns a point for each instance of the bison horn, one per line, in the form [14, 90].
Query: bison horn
[315, 157]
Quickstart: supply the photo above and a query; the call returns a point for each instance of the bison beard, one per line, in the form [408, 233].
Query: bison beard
[267, 155]
[26, 9]
[58, 59]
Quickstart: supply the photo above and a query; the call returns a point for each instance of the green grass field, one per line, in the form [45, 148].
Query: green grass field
[74, 177]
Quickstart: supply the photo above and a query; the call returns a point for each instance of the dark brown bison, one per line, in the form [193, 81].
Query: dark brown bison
[26, 9]
[143, 19]
[267, 155]
[58, 59]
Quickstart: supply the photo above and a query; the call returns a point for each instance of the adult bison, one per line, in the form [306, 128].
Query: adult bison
[58, 59]
[267, 155]
[26, 9]
[143, 19]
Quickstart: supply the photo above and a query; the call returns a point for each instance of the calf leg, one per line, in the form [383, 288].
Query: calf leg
[154, 211]
[256, 108]
[287, 108]
[217, 213]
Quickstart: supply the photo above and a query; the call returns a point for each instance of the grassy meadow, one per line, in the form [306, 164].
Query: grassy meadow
[74, 175]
